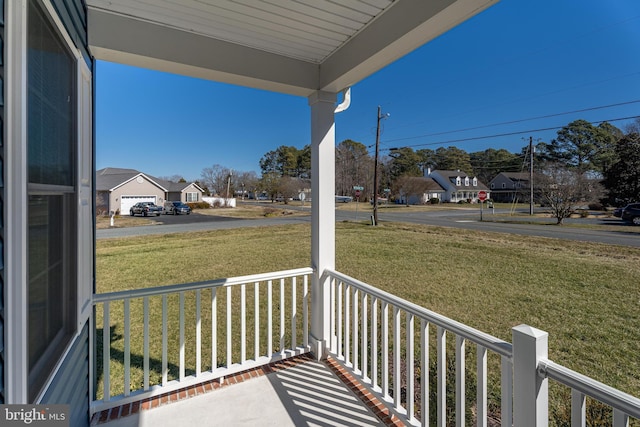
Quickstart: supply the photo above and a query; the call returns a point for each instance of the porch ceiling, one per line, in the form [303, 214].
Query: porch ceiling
[290, 46]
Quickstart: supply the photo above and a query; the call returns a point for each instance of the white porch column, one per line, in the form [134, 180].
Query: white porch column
[530, 391]
[323, 222]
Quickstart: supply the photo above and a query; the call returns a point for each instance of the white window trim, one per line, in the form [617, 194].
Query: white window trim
[16, 308]
[16, 235]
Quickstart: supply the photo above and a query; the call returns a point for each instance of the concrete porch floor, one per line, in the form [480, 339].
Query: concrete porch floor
[294, 392]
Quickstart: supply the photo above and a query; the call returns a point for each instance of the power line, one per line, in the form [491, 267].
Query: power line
[476, 138]
[517, 121]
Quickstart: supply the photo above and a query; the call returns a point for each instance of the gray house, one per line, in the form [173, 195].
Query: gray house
[119, 189]
[510, 187]
[458, 186]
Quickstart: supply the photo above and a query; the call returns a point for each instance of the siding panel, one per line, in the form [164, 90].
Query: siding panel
[71, 384]
[73, 15]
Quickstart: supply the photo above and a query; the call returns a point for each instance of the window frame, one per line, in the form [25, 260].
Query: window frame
[47, 365]
[197, 197]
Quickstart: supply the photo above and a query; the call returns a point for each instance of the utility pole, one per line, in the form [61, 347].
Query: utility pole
[226, 202]
[531, 175]
[375, 169]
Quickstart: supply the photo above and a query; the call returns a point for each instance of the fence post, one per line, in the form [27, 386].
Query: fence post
[530, 391]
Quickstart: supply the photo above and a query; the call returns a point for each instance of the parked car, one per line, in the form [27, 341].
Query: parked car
[176, 208]
[618, 212]
[145, 209]
[631, 213]
[343, 199]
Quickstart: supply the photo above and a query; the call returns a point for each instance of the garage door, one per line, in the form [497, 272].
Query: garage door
[127, 201]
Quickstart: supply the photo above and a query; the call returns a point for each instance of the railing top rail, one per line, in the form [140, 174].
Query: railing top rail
[495, 344]
[159, 290]
[615, 398]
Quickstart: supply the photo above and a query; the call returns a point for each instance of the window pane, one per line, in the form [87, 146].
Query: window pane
[46, 293]
[50, 103]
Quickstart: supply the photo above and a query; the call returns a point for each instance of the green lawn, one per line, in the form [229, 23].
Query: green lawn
[585, 295]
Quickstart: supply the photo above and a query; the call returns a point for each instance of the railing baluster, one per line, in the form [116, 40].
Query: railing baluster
[481, 386]
[127, 347]
[294, 315]
[397, 375]
[578, 409]
[340, 325]
[460, 381]
[347, 324]
[620, 419]
[385, 350]
[145, 363]
[374, 342]
[442, 376]
[506, 386]
[356, 339]
[282, 310]
[229, 340]
[364, 320]
[198, 335]
[165, 370]
[269, 318]
[106, 352]
[305, 311]
[333, 331]
[182, 342]
[256, 320]
[214, 329]
[411, 408]
[424, 372]
[243, 323]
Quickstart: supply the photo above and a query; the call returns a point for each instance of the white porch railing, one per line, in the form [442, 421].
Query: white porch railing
[161, 330]
[386, 342]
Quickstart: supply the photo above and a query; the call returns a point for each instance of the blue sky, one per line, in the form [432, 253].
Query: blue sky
[520, 59]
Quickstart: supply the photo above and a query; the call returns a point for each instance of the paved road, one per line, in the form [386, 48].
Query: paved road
[624, 234]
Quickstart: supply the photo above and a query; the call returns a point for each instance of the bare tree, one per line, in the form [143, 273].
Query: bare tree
[215, 178]
[633, 127]
[411, 187]
[564, 190]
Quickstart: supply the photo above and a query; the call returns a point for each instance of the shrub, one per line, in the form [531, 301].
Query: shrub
[596, 206]
[434, 201]
[462, 202]
[269, 212]
[199, 205]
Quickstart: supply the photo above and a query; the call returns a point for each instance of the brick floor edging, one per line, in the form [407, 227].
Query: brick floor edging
[378, 408]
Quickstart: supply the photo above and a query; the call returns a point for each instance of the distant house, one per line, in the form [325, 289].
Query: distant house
[457, 185]
[510, 187]
[117, 190]
[186, 192]
[419, 190]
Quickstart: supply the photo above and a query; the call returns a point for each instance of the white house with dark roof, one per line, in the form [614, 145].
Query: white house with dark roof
[458, 186]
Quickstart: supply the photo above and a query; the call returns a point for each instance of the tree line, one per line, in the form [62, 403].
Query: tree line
[603, 156]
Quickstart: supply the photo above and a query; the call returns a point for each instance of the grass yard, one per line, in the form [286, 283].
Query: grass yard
[587, 296]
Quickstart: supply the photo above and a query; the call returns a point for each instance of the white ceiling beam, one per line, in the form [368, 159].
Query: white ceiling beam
[126, 40]
[404, 27]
